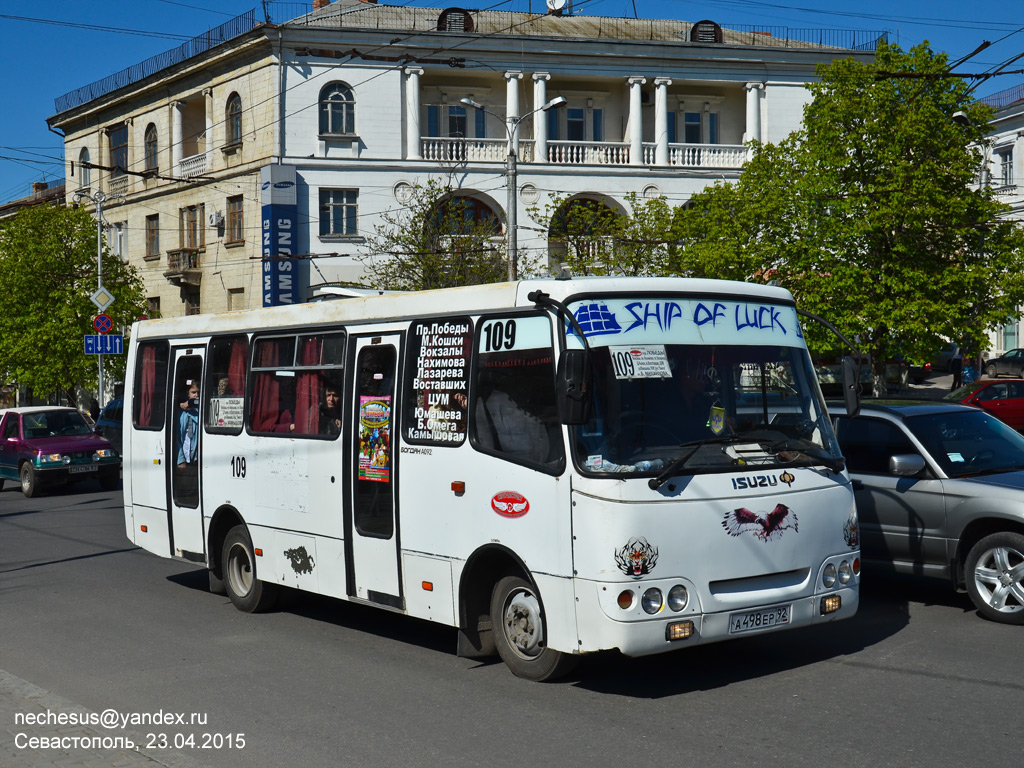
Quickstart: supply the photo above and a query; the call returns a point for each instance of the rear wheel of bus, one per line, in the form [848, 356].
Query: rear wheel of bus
[520, 632]
[241, 581]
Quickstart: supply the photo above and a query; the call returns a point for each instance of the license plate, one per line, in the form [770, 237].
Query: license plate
[82, 468]
[763, 619]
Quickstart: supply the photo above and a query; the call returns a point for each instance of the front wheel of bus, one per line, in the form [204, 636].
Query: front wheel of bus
[246, 591]
[520, 633]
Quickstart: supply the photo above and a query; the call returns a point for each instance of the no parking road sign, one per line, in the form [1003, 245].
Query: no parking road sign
[103, 324]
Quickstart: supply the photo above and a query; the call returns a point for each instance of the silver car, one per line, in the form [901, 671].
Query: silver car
[940, 492]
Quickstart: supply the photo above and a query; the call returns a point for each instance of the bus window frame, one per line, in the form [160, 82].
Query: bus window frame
[161, 401]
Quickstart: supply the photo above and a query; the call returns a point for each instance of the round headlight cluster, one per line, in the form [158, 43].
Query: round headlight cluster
[653, 601]
[678, 597]
[828, 577]
[844, 573]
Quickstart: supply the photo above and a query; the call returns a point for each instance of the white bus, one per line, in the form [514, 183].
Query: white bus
[554, 467]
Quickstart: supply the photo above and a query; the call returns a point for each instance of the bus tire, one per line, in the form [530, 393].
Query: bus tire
[241, 580]
[520, 632]
[29, 484]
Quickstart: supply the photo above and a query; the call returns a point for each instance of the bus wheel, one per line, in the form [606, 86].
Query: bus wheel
[520, 634]
[246, 591]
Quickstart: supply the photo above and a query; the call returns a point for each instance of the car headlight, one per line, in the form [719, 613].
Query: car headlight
[50, 458]
[106, 453]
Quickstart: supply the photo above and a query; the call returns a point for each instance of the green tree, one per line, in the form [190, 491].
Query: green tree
[870, 214]
[438, 240]
[582, 234]
[47, 274]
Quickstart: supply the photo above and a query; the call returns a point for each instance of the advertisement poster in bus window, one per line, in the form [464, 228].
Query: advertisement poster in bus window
[375, 438]
[437, 406]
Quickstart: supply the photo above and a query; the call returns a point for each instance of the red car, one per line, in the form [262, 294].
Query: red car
[1003, 398]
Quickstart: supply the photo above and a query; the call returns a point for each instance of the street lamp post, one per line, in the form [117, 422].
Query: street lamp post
[511, 124]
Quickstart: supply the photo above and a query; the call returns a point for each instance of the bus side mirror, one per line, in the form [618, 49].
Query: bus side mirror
[573, 386]
[851, 386]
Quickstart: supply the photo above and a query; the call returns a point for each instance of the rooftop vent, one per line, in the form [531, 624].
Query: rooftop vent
[454, 20]
[706, 32]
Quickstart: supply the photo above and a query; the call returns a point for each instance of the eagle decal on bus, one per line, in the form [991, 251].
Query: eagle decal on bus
[766, 528]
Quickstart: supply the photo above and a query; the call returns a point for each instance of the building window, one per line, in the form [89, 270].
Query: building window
[553, 124]
[234, 119]
[337, 110]
[235, 222]
[150, 141]
[153, 307]
[85, 172]
[575, 125]
[236, 298]
[1006, 168]
[433, 120]
[598, 120]
[118, 140]
[481, 124]
[1010, 336]
[712, 127]
[457, 122]
[116, 236]
[671, 127]
[692, 127]
[191, 299]
[338, 212]
[153, 235]
[191, 233]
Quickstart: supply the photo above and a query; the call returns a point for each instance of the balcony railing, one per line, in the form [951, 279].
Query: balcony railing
[118, 185]
[704, 155]
[183, 266]
[448, 150]
[193, 166]
[588, 152]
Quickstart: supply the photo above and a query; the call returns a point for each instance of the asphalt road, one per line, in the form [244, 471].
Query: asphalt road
[917, 678]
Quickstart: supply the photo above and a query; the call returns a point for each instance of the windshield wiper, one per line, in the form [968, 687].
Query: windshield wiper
[673, 468]
[811, 451]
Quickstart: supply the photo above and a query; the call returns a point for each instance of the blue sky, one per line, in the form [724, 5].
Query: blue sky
[54, 47]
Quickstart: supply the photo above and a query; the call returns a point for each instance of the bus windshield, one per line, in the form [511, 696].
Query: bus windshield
[698, 408]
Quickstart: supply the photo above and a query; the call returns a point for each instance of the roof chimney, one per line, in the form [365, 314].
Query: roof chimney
[38, 187]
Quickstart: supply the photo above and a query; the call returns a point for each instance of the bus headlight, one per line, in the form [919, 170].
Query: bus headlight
[678, 597]
[845, 572]
[828, 577]
[651, 601]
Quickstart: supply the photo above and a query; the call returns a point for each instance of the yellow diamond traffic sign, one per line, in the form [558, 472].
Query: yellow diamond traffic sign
[102, 298]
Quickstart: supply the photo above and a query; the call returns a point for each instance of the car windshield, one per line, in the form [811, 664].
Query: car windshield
[54, 424]
[962, 393]
[686, 408]
[969, 442]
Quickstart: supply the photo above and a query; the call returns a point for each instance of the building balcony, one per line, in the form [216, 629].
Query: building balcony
[118, 185]
[616, 153]
[190, 167]
[183, 267]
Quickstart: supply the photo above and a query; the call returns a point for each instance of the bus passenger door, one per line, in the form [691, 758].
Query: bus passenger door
[184, 455]
[372, 524]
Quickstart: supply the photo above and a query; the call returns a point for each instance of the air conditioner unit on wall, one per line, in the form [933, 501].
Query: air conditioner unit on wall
[216, 218]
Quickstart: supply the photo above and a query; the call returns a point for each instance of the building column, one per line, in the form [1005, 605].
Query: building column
[636, 126]
[412, 113]
[661, 120]
[176, 137]
[512, 107]
[208, 143]
[540, 119]
[753, 132]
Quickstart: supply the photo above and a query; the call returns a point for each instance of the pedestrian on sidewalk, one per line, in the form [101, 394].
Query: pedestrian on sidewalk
[956, 367]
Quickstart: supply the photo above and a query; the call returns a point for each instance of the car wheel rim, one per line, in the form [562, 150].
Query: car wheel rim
[999, 579]
[523, 625]
[239, 570]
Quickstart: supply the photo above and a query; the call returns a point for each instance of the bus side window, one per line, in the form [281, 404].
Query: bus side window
[514, 410]
[225, 384]
[149, 394]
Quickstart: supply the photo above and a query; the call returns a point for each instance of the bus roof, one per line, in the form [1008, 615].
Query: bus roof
[447, 301]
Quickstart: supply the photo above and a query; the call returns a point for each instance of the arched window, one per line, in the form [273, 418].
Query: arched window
[150, 146]
[85, 172]
[234, 119]
[337, 110]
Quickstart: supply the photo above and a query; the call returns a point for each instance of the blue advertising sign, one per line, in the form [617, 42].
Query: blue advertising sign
[108, 344]
[282, 276]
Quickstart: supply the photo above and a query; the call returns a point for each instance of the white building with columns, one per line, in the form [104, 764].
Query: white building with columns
[344, 109]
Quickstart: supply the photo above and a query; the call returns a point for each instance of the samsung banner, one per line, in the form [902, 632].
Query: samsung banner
[284, 279]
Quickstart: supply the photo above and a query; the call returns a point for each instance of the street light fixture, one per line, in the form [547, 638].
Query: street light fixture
[511, 124]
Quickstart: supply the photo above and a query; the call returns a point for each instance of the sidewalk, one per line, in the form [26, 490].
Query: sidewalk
[68, 745]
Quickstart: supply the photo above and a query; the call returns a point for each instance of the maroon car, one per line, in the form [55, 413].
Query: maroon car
[1003, 398]
[49, 445]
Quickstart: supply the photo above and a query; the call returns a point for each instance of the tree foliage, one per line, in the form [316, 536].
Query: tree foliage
[47, 276]
[438, 240]
[870, 214]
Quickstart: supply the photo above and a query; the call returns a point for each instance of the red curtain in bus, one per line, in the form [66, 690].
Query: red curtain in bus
[308, 389]
[236, 369]
[148, 386]
[266, 390]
